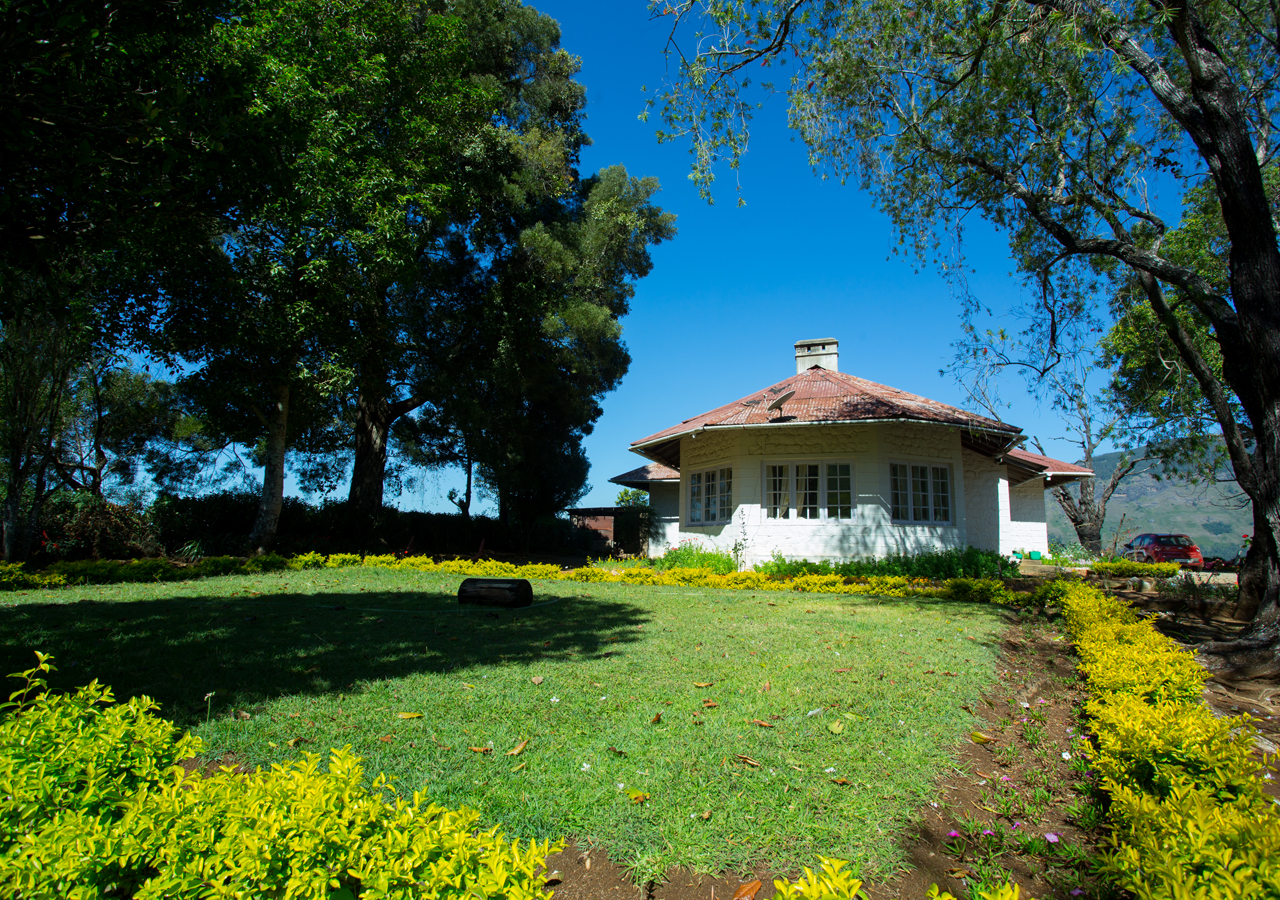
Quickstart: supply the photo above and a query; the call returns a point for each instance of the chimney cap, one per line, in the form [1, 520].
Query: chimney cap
[817, 341]
[821, 352]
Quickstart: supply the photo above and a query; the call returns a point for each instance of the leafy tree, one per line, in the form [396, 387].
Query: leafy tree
[632, 497]
[112, 122]
[367, 149]
[1051, 118]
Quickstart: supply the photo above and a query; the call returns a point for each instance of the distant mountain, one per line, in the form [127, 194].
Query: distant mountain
[1211, 514]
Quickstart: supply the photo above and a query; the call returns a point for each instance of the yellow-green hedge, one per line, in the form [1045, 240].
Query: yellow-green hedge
[1127, 568]
[93, 805]
[1190, 818]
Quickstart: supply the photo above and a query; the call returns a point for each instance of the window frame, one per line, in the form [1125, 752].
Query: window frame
[704, 480]
[929, 499]
[792, 490]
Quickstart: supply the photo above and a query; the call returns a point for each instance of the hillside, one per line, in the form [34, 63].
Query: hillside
[1210, 514]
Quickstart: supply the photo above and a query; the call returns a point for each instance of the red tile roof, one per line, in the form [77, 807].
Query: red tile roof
[1046, 465]
[645, 474]
[825, 396]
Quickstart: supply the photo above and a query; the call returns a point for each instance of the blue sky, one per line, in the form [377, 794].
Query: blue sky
[738, 286]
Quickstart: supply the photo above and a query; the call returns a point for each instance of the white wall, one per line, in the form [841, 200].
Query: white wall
[664, 501]
[869, 447]
[986, 499]
[1027, 529]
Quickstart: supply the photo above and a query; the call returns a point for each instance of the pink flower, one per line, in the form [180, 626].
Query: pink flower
[987, 831]
[953, 834]
[1051, 838]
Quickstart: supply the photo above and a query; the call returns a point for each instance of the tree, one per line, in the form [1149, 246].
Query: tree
[632, 497]
[1052, 119]
[512, 252]
[1063, 366]
[367, 149]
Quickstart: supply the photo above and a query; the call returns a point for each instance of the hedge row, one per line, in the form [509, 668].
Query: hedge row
[1127, 568]
[1189, 813]
[14, 576]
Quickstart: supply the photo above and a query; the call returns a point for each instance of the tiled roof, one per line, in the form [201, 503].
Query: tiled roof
[822, 395]
[646, 474]
[1045, 464]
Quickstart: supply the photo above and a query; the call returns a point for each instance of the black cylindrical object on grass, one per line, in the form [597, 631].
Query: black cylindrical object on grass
[505, 592]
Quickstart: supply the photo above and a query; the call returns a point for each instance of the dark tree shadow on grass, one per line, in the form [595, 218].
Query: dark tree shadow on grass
[177, 650]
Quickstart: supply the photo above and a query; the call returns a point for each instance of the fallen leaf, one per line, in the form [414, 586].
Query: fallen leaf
[312, 669]
[468, 686]
[518, 748]
[838, 671]
[637, 796]
[706, 815]
[519, 767]
[386, 738]
[409, 715]
[480, 749]
[952, 674]
[748, 760]
[761, 724]
[708, 703]
[293, 715]
[979, 738]
[536, 679]
[615, 750]
[767, 687]
[966, 708]
[982, 774]
[841, 781]
[293, 742]
[704, 684]
[836, 727]
[960, 872]
[748, 891]
[929, 672]
[657, 717]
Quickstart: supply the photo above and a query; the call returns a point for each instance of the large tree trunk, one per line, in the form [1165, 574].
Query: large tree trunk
[276, 417]
[374, 418]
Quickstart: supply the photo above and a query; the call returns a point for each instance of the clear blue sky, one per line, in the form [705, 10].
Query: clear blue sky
[738, 286]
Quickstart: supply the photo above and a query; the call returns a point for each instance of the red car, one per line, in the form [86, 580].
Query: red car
[1174, 548]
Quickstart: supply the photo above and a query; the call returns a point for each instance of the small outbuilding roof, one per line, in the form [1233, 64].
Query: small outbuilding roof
[1054, 470]
[825, 396]
[645, 475]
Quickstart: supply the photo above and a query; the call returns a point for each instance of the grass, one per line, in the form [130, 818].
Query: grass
[643, 691]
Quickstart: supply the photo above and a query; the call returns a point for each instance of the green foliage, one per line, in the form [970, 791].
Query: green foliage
[92, 571]
[14, 576]
[937, 565]
[977, 590]
[212, 566]
[79, 525]
[1127, 568]
[690, 554]
[1052, 593]
[267, 562]
[111, 814]
[632, 497]
[832, 882]
[310, 560]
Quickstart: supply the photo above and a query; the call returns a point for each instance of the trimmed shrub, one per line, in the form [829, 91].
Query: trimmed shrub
[938, 565]
[977, 590]
[15, 577]
[1127, 568]
[111, 814]
[1190, 816]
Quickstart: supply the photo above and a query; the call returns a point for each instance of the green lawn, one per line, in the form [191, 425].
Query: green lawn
[864, 698]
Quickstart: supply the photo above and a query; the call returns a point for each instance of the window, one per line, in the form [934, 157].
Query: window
[809, 490]
[777, 492]
[711, 496]
[920, 494]
[839, 491]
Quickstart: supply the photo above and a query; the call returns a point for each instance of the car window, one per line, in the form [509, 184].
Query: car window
[1175, 540]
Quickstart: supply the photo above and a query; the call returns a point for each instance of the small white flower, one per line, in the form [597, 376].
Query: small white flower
[586, 766]
[555, 699]
[1025, 705]
[605, 697]
[829, 770]
[1066, 755]
[621, 785]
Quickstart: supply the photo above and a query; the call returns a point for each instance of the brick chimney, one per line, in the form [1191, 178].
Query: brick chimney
[823, 352]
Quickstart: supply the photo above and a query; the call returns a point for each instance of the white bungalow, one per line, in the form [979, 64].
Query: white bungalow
[825, 465]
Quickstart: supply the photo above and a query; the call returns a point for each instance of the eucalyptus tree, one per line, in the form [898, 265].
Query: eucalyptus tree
[1056, 120]
[370, 119]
